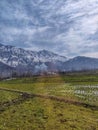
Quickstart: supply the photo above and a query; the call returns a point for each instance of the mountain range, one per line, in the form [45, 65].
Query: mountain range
[21, 61]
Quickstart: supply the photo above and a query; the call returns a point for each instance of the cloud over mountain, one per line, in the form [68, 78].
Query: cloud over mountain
[69, 27]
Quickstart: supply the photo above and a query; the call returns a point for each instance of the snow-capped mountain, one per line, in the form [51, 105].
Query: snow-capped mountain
[20, 61]
[15, 57]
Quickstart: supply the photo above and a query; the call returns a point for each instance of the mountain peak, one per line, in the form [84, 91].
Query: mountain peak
[84, 57]
[24, 61]
[14, 56]
[46, 51]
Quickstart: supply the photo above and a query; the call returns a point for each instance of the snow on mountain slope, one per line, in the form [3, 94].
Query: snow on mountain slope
[25, 61]
[14, 57]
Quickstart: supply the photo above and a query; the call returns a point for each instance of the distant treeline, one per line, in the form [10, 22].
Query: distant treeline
[29, 74]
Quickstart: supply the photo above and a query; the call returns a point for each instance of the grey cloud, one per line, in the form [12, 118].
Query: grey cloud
[68, 27]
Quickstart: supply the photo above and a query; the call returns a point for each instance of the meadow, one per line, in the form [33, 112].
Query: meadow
[18, 112]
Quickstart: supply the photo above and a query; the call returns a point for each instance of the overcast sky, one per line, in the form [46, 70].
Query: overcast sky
[67, 27]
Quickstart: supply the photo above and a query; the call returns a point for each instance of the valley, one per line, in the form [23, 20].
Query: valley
[50, 102]
[48, 65]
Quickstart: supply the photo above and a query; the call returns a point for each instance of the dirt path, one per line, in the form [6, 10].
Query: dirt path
[25, 95]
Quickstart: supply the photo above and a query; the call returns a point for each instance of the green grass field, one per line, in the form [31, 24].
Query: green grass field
[18, 113]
